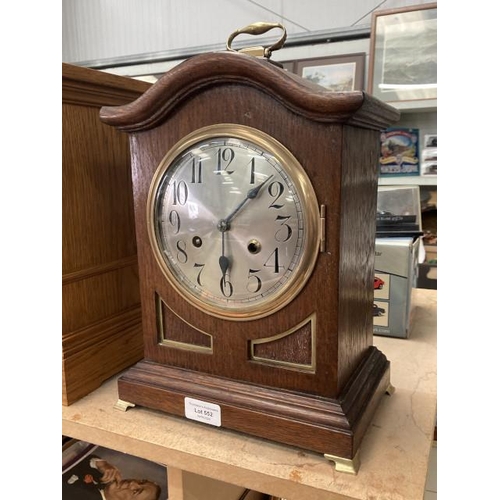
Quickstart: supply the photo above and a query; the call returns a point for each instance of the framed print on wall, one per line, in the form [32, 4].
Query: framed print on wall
[288, 66]
[337, 73]
[403, 54]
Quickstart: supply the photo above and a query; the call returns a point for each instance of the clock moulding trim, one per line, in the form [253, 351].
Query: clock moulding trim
[177, 344]
[288, 364]
[300, 95]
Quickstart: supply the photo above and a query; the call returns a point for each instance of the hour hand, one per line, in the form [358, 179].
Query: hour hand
[223, 260]
[224, 264]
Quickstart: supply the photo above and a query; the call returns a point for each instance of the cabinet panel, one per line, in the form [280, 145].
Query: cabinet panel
[101, 314]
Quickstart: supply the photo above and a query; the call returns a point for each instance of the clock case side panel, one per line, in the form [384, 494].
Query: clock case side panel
[357, 247]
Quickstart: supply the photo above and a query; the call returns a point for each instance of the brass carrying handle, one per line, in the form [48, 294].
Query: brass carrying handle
[258, 29]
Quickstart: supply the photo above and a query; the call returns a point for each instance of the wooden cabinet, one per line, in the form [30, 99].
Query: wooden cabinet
[101, 314]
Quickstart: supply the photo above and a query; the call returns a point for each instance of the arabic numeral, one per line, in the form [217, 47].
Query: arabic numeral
[196, 171]
[180, 193]
[276, 190]
[254, 284]
[284, 233]
[175, 220]
[182, 255]
[273, 261]
[224, 158]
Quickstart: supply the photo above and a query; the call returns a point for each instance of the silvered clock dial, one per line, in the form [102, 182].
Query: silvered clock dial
[233, 221]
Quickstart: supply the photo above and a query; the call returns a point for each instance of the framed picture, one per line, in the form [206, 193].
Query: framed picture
[288, 66]
[399, 152]
[403, 54]
[337, 73]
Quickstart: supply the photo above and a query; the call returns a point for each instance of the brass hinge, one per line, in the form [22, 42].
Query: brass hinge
[322, 228]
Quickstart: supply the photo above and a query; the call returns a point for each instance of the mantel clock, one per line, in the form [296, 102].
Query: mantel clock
[255, 204]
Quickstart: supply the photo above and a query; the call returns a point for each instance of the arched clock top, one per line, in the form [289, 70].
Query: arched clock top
[228, 68]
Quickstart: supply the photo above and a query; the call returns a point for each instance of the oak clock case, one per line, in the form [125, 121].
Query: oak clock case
[254, 196]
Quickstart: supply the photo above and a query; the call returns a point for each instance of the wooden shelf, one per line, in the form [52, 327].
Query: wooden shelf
[408, 181]
[397, 443]
[419, 106]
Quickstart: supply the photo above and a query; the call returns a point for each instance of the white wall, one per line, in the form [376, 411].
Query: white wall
[101, 31]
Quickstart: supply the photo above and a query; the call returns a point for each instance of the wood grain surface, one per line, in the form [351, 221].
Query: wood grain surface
[101, 313]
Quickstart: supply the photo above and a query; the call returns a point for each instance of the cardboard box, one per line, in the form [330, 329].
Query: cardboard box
[396, 263]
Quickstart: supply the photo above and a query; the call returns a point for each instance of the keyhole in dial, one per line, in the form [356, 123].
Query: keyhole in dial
[254, 246]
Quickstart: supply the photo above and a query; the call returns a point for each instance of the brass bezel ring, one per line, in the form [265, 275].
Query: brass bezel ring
[305, 192]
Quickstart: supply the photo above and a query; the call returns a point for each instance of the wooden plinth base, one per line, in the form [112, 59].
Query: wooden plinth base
[333, 427]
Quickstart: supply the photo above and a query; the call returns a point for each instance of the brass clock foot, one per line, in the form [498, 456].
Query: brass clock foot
[350, 466]
[390, 390]
[123, 405]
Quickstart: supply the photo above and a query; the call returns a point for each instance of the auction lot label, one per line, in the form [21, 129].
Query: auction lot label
[201, 411]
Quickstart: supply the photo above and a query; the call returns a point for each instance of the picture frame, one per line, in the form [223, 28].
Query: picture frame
[403, 54]
[288, 66]
[399, 152]
[342, 73]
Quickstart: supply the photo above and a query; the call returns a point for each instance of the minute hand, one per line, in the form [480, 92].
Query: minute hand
[252, 193]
